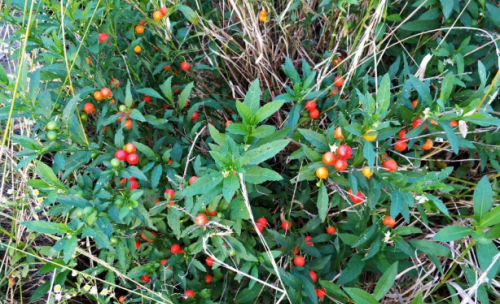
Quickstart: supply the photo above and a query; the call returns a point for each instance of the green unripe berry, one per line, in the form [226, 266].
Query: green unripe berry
[115, 163]
[122, 108]
[52, 126]
[84, 116]
[118, 202]
[113, 240]
[52, 135]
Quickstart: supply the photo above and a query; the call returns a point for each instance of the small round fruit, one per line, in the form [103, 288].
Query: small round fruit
[228, 123]
[139, 29]
[118, 202]
[208, 278]
[299, 261]
[134, 185]
[121, 155]
[402, 133]
[339, 81]
[145, 278]
[52, 125]
[367, 172]
[115, 163]
[52, 135]
[147, 98]
[308, 241]
[175, 248]
[401, 145]
[334, 92]
[310, 105]
[167, 68]
[210, 261]
[417, 122]
[329, 158]
[192, 179]
[428, 144]
[88, 60]
[320, 292]
[337, 61]
[122, 108]
[453, 123]
[128, 124]
[314, 114]
[113, 240]
[321, 173]
[358, 198]
[390, 165]
[344, 152]
[286, 225]
[414, 103]
[370, 135]
[122, 299]
[260, 227]
[201, 219]
[79, 213]
[163, 262]
[195, 116]
[163, 11]
[313, 275]
[170, 193]
[106, 92]
[157, 15]
[331, 230]
[262, 220]
[129, 148]
[88, 108]
[137, 245]
[189, 294]
[389, 221]
[185, 66]
[103, 37]
[338, 133]
[132, 159]
[137, 49]
[341, 165]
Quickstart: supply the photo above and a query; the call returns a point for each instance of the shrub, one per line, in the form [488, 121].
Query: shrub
[208, 151]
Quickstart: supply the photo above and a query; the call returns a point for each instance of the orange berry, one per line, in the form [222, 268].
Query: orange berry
[88, 108]
[428, 144]
[322, 173]
[157, 15]
[389, 221]
[128, 124]
[338, 133]
[139, 29]
[98, 95]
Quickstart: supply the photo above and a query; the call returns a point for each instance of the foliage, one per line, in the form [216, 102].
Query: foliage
[425, 67]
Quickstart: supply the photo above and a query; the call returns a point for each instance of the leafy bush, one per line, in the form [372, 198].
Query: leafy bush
[214, 152]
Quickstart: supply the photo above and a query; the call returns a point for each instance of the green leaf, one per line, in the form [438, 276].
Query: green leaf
[189, 13]
[452, 137]
[333, 290]
[248, 295]
[203, 184]
[447, 7]
[384, 95]
[70, 245]
[147, 151]
[174, 217]
[156, 176]
[3, 76]
[316, 139]
[264, 152]
[99, 237]
[230, 186]
[385, 283]
[216, 135]
[485, 254]
[46, 173]
[166, 88]
[447, 86]
[70, 107]
[46, 227]
[185, 95]
[73, 200]
[137, 115]
[482, 199]
[359, 296]
[252, 98]
[41, 290]
[267, 110]
[27, 142]
[352, 271]
[491, 218]
[366, 235]
[258, 175]
[431, 248]
[151, 92]
[322, 202]
[452, 233]
[244, 111]
[128, 95]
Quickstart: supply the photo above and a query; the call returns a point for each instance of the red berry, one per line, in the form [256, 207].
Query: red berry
[358, 198]
[286, 225]
[313, 275]
[390, 165]
[192, 179]
[401, 145]
[329, 158]
[145, 278]
[163, 11]
[308, 240]
[103, 37]
[122, 299]
[208, 278]
[163, 262]
[262, 220]
[339, 81]
[175, 249]
[121, 155]
[210, 261]
[185, 66]
[132, 159]
[341, 165]
[310, 105]
[189, 294]
[195, 116]
[299, 261]
[88, 108]
[147, 98]
[417, 122]
[133, 185]
[260, 227]
[320, 292]
[344, 152]
[201, 219]
[402, 133]
[331, 230]
[170, 193]
[106, 93]
[389, 221]
[314, 114]
[137, 244]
